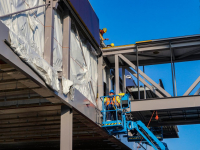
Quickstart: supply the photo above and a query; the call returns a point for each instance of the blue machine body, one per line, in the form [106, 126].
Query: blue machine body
[134, 136]
[122, 126]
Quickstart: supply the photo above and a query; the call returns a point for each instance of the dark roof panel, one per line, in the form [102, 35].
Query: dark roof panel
[88, 15]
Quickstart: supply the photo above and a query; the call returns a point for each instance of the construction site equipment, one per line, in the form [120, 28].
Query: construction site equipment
[133, 135]
[136, 130]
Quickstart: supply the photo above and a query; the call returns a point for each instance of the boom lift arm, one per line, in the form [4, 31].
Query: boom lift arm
[146, 134]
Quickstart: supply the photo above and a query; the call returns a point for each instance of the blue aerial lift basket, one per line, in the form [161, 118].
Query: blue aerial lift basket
[120, 124]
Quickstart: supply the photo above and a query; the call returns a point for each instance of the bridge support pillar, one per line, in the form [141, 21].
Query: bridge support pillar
[116, 74]
[66, 128]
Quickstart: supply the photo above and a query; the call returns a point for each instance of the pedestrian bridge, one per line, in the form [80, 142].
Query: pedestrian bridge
[152, 97]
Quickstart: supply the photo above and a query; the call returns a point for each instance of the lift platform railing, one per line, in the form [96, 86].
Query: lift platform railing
[114, 119]
[111, 111]
[114, 126]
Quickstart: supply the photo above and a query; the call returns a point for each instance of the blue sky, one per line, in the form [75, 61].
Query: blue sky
[129, 21]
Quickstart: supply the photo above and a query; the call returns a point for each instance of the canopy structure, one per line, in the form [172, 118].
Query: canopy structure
[185, 48]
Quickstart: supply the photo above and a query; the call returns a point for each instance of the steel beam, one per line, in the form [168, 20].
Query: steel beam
[150, 47]
[145, 76]
[145, 93]
[172, 69]
[166, 104]
[66, 44]
[197, 92]
[13, 80]
[192, 87]
[124, 51]
[24, 101]
[189, 53]
[145, 83]
[66, 128]
[175, 79]
[116, 74]
[107, 62]
[138, 81]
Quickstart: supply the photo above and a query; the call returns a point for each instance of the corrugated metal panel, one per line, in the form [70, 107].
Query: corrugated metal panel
[89, 17]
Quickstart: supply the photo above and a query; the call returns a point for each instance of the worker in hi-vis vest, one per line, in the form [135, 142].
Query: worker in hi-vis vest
[101, 33]
[111, 103]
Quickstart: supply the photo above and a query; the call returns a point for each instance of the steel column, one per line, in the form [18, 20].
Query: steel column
[66, 44]
[123, 80]
[197, 92]
[49, 33]
[166, 104]
[172, 70]
[138, 81]
[116, 74]
[108, 81]
[145, 94]
[100, 82]
[175, 79]
[66, 128]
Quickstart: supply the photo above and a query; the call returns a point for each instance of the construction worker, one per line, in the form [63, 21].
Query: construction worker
[101, 32]
[111, 103]
[111, 45]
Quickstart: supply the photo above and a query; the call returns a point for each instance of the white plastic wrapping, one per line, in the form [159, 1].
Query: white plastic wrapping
[27, 36]
[83, 72]
[27, 40]
[57, 44]
[67, 84]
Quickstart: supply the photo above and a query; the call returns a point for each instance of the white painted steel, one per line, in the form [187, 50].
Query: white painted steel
[192, 87]
[145, 76]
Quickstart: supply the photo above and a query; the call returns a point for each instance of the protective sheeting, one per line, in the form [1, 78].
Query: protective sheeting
[27, 36]
[57, 44]
[83, 66]
[27, 40]
[29, 26]
[67, 84]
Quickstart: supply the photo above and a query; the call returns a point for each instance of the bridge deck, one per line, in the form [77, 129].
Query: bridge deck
[171, 111]
[186, 48]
